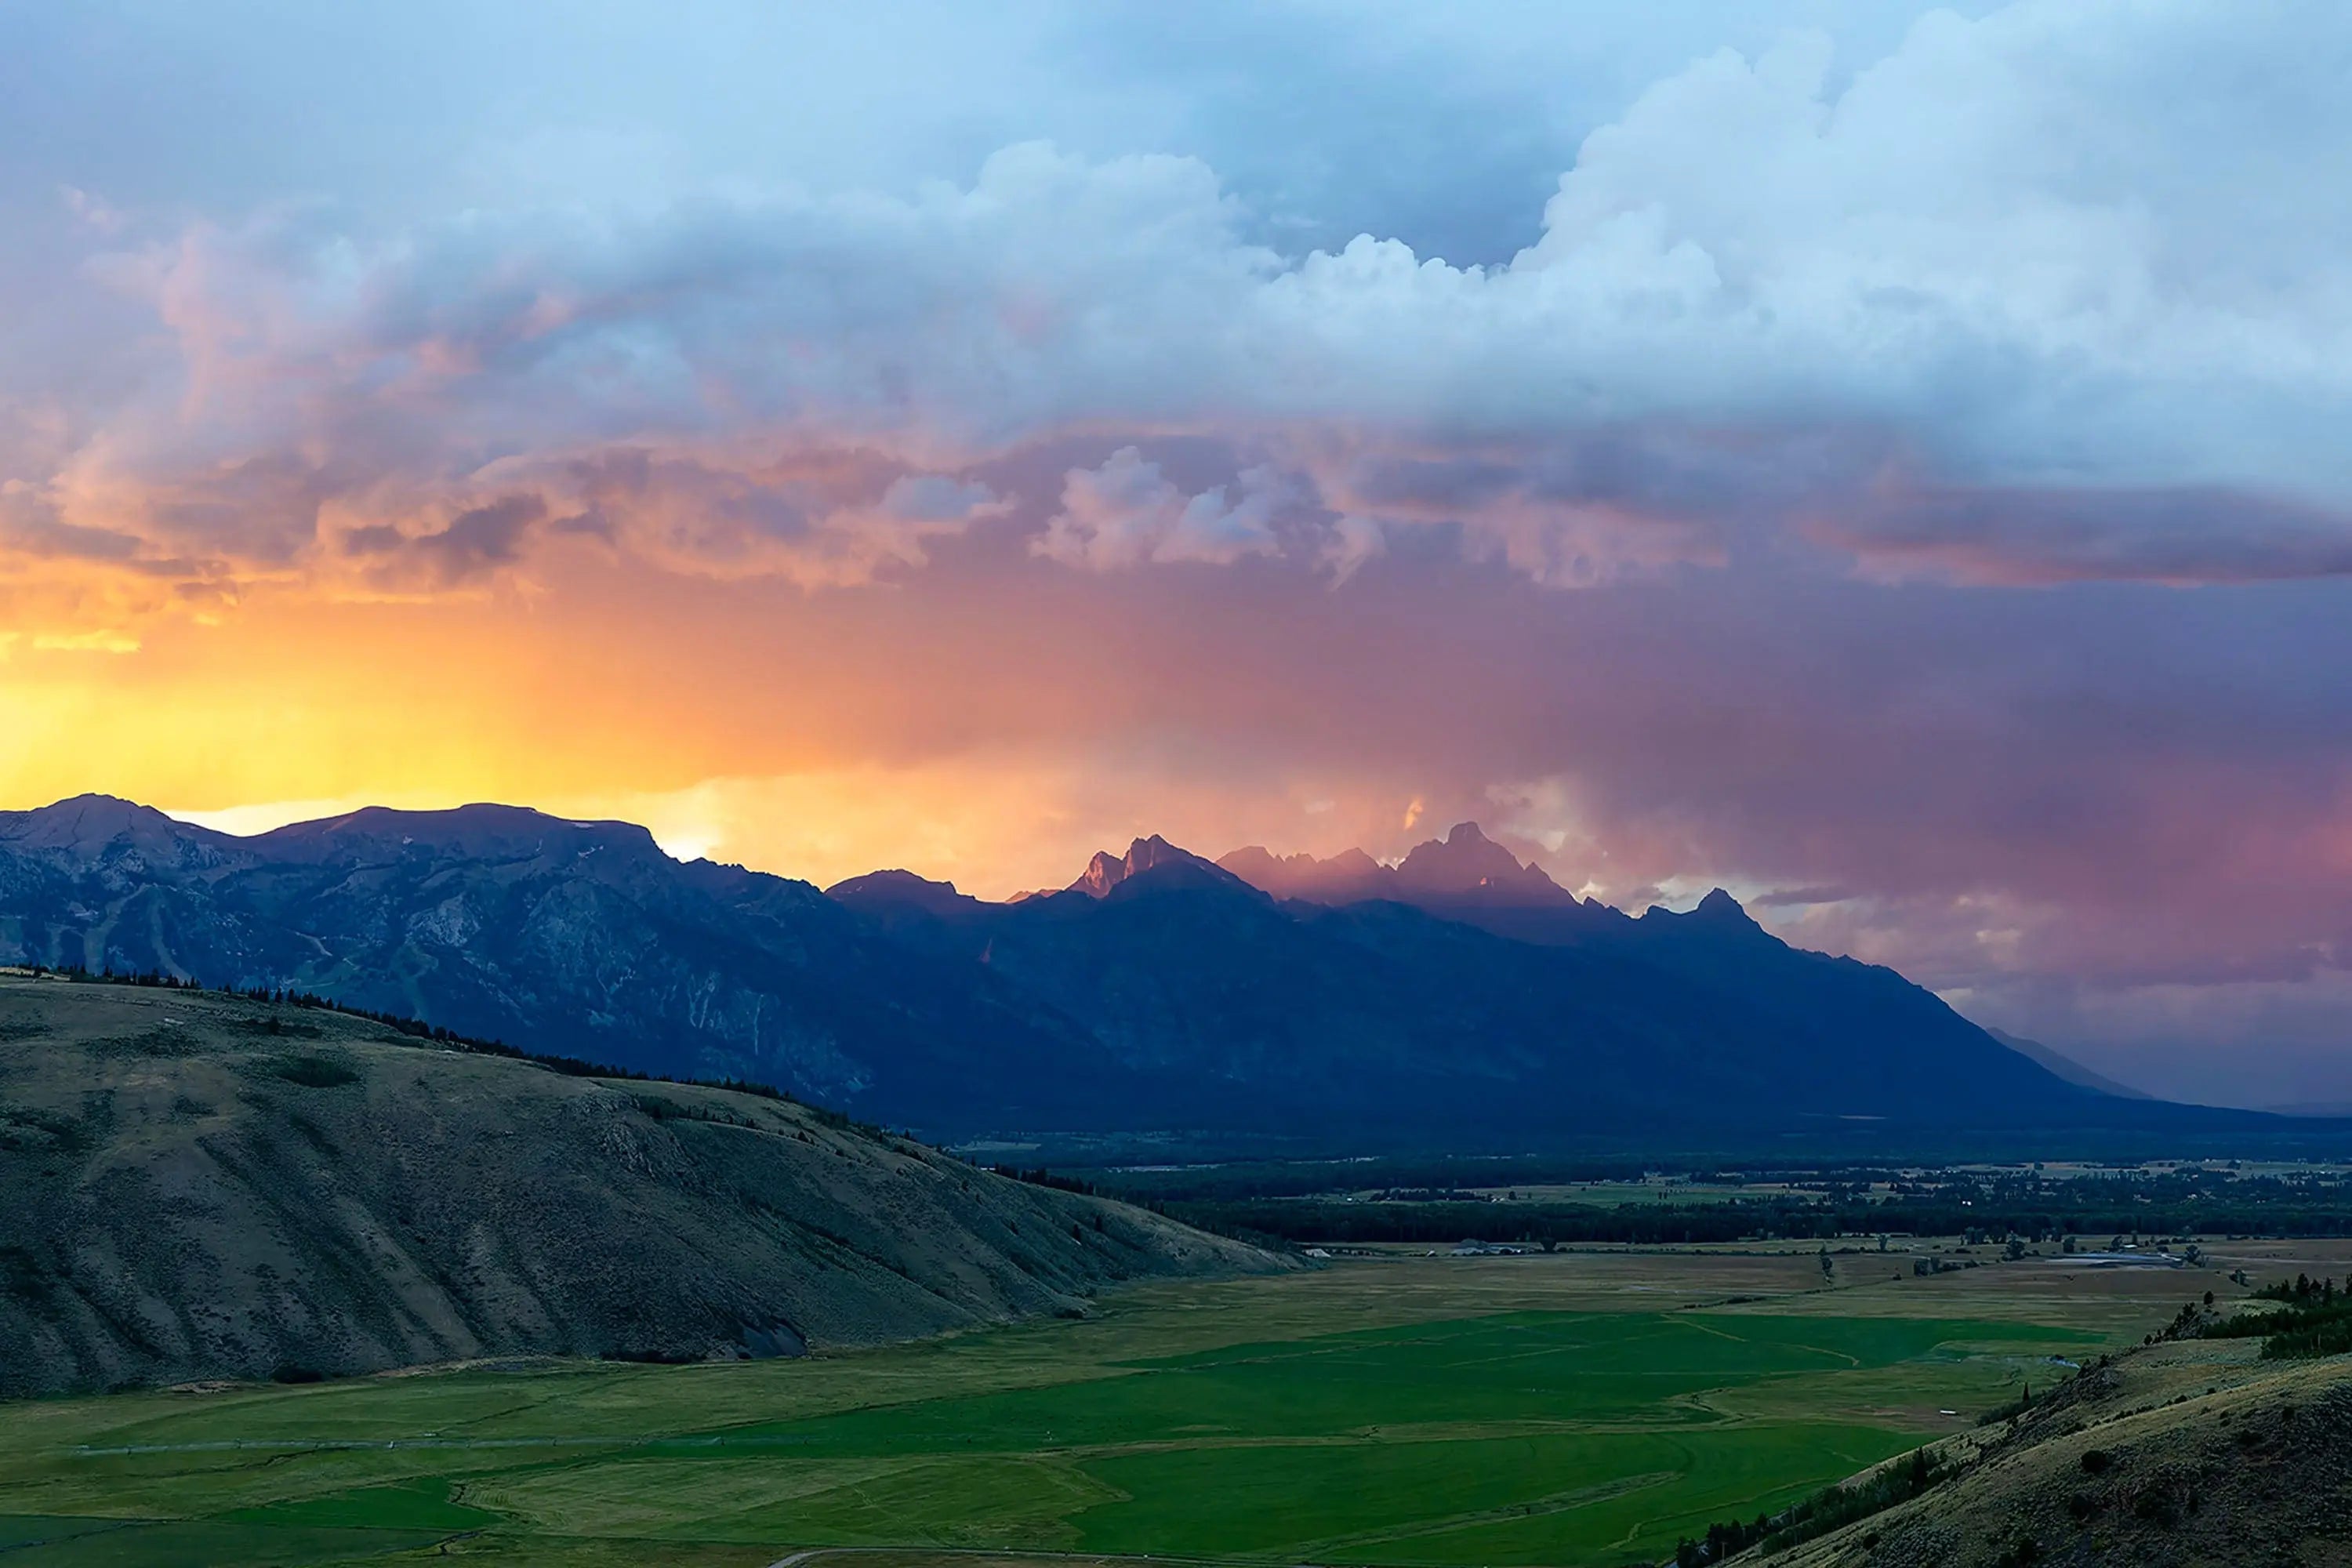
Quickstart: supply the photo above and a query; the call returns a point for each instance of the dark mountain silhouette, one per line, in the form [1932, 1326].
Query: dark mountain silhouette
[577, 938]
[1384, 1016]
[897, 898]
[2070, 1069]
[1467, 1001]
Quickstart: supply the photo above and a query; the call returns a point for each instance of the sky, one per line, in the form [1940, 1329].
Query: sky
[1889, 462]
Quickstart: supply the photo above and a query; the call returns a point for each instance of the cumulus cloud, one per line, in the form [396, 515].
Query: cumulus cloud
[1353, 540]
[1127, 513]
[688, 371]
[2007, 248]
[818, 519]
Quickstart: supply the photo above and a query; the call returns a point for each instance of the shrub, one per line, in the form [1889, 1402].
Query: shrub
[314, 1072]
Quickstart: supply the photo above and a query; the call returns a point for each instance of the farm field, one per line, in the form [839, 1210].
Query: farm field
[1571, 1409]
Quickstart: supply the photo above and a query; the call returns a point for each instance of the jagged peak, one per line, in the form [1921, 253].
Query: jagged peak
[1717, 910]
[1719, 905]
[1148, 854]
[1467, 862]
[1101, 875]
[1464, 866]
[1105, 874]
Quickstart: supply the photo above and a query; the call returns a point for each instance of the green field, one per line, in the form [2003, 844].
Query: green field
[1538, 1410]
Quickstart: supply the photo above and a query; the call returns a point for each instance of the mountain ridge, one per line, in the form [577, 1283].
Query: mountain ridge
[1470, 1005]
[1463, 863]
[2066, 1066]
[1153, 857]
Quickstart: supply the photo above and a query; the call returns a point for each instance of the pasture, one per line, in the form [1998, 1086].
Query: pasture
[1580, 1408]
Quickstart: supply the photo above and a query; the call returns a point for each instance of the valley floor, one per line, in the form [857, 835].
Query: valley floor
[1580, 1408]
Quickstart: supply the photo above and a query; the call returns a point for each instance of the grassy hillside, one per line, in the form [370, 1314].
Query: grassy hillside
[2183, 1453]
[198, 1187]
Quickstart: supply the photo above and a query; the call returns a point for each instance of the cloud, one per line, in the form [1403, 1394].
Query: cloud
[1353, 541]
[475, 541]
[822, 519]
[1576, 510]
[1126, 513]
[93, 212]
[2044, 536]
[87, 642]
[1799, 898]
[2004, 250]
[29, 525]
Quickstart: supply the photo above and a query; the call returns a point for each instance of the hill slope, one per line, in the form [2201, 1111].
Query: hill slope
[199, 1187]
[2187, 1454]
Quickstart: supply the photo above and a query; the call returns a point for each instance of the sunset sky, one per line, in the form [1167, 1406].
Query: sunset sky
[1897, 465]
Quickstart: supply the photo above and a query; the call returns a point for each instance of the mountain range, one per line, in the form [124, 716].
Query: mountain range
[1457, 999]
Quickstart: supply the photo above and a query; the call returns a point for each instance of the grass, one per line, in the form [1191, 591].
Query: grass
[1538, 1410]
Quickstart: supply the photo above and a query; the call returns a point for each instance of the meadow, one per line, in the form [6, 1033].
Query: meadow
[1578, 1408]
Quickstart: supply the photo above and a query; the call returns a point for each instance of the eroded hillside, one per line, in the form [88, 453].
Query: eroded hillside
[2180, 1455]
[200, 1186]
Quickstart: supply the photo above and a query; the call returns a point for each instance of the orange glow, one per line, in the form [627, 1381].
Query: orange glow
[748, 722]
